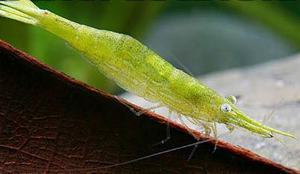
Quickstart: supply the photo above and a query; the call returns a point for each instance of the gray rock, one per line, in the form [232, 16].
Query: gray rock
[269, 92]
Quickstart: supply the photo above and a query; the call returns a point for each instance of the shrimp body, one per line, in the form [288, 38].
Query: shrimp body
[138, 69]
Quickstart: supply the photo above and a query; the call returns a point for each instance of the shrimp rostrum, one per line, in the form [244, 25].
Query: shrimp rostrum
[139, 70]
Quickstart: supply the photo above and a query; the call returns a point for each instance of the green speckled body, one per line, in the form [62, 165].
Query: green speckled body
[138, 69]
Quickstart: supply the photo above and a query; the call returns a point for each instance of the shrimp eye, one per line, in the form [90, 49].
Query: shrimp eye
[226, 107]
[232, 99]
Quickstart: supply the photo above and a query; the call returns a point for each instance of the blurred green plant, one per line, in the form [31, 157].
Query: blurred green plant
[281, 17]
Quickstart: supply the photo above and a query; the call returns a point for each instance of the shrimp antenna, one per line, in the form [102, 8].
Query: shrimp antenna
[179, 62]
[274, 109]
[145, 157]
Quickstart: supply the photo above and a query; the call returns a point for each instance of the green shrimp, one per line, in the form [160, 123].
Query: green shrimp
[141, 71]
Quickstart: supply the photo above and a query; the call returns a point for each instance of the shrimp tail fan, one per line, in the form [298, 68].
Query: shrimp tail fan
[21, 10]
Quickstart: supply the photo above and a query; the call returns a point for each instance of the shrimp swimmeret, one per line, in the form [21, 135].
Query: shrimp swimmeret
[141, 71]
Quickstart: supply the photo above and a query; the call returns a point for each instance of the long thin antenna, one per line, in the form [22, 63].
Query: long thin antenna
[182, 65]
[141, 158]
[177, 61]
[146, 157]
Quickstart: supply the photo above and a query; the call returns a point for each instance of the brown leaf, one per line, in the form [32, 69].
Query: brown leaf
[50, 123]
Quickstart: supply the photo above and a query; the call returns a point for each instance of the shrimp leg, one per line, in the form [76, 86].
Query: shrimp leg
[168, 132]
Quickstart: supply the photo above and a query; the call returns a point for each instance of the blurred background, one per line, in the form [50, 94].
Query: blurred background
[199, 37]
